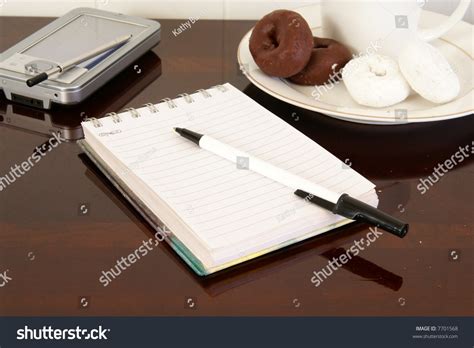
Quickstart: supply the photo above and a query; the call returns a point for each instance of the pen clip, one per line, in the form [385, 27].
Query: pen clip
[354, 209]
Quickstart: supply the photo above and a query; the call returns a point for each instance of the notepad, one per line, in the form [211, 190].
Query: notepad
[220, 214]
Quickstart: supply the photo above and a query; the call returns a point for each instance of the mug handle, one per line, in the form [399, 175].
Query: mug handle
[436, 32]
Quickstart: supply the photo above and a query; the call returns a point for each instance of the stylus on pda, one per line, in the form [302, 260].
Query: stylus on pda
[59, 68]
[337, 203]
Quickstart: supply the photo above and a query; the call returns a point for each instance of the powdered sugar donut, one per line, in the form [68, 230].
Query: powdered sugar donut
[428, 72]
[375, 80]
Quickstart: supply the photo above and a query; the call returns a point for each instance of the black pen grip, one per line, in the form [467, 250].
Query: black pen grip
[36, 79]
[354, 209]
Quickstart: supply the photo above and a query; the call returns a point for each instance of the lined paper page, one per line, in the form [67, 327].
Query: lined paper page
[226, 206]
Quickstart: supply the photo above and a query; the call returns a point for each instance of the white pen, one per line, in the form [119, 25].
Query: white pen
[340, 204]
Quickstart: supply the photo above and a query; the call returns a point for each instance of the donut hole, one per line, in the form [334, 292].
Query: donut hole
[272, 41]
[378, 70]
[319, 45]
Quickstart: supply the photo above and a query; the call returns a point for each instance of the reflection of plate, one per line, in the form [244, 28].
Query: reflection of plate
[455, 45]
[379, 153]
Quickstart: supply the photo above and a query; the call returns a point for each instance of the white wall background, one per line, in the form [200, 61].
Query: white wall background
[209, 9]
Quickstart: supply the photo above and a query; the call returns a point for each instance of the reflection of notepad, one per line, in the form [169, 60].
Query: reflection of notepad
[219, 215]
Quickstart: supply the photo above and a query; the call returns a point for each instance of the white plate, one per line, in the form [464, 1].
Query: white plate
[456, 46]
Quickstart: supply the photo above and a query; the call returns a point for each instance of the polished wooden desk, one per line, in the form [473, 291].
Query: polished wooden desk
[62, 224]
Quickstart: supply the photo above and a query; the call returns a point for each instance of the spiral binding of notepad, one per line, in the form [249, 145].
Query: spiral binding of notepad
[153, 108]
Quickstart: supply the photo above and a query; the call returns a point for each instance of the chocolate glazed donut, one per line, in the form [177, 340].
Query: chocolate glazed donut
[281, 43]
[327, 58]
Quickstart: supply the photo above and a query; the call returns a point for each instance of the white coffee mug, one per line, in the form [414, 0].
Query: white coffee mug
[383, 26]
